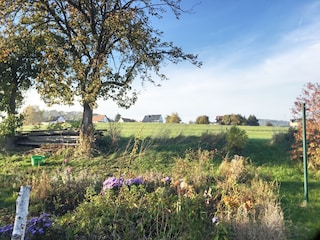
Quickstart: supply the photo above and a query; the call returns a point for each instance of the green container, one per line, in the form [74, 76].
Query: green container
[37, 160]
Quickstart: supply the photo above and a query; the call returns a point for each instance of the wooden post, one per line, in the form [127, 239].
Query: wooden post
[22, 205]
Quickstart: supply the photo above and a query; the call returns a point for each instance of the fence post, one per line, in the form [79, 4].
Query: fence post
[305, 151]
[22, 205]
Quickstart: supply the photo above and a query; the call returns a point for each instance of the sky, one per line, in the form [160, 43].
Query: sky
[257, 57]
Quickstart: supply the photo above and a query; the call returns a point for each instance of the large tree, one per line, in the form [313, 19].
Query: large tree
[95, 49]
[18, 68]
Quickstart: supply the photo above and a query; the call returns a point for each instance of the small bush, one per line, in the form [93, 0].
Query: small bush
[10, 124]
[202, 120]
[236, 140]
[284, 139]
[213, 141]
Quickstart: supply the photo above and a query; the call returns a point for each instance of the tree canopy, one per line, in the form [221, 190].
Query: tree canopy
[173, 118]
[252, 121]
[18, 68]
[202, 120]
[96, 49]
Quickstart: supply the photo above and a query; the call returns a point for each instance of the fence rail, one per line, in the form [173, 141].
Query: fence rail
[38, 138]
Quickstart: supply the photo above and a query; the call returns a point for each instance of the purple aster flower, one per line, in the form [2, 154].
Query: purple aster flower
[167, 179]
[112, 182]
[6, 230]
[134, 181]
[35, 226]
[214, 220]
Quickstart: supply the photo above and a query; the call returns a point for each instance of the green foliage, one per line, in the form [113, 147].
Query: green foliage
[134, 213]
[75, 124]
[236, 139]
[202, 120]
[252, 121]
[233, 119]
[55, 126]
[173, 118]
[18, 68]
[285, 139]
[213, 141]
[10, 124]
[237, 119]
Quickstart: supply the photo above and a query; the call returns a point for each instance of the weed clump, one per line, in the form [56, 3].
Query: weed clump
[249, 205]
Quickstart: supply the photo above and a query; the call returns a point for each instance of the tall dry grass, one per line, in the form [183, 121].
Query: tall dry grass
[249, 205]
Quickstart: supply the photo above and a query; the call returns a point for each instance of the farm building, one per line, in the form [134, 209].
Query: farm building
[100, 118]
[126, 120]
[153, 118]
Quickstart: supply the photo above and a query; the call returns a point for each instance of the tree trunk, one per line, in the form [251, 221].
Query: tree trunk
[86, 141]
[12, 105]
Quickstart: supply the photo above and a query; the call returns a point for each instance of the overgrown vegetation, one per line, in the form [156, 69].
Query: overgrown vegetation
[187, 188]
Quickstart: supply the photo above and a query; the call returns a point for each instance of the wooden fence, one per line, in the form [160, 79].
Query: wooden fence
[39, 138]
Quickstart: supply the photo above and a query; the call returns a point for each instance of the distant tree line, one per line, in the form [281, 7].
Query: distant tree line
[229, 119]
[237, 119]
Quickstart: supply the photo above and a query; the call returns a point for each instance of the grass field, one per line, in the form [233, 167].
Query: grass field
[174, 130]
[163, 145]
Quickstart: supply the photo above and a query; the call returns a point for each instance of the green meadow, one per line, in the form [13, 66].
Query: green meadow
[182, 151]
[174, 130]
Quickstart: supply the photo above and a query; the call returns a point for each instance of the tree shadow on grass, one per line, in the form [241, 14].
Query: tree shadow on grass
[171, 145]
[262, 151]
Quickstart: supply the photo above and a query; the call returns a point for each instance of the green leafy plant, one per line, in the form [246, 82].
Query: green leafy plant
[236, 139]
[10, 124]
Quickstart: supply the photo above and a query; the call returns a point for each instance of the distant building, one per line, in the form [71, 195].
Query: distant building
[122, 120]
[294, 123]
[100, 118]
[59, 119]
[153, 118]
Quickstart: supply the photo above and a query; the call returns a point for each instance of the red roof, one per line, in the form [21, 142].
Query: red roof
[98, 118]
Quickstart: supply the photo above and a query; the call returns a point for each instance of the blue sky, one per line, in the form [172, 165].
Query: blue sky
[257, 56]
